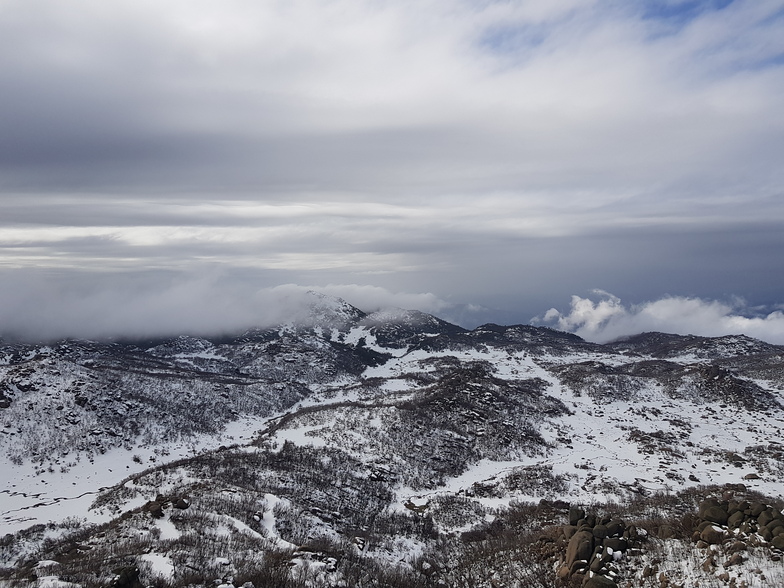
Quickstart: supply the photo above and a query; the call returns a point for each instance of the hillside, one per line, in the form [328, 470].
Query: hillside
[392, 449]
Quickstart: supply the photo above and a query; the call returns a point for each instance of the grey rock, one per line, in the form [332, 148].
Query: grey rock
[580, 547]
[712, 535]
[600, 531]
[715, 514]
[598, 581]
[736, 519]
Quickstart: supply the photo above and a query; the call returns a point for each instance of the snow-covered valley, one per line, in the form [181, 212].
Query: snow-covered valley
[384, 449]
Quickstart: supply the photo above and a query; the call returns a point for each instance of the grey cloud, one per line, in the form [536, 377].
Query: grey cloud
[496, 154]
[133, 99]
[43, 306]
[511, 279]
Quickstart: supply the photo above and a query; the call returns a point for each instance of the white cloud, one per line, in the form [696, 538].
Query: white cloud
[503, 152]
[608, 318]
[36, 307]
[410, 95]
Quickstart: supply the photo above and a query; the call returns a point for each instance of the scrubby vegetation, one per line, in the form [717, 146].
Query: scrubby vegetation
[396, 450]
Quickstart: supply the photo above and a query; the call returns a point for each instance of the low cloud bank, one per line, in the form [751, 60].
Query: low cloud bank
[607, 318]
[36, 308]
[41, 306]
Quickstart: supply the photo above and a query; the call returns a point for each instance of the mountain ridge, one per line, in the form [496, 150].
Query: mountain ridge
[397, 419]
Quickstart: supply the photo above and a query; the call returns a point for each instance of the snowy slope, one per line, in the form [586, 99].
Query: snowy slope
[374, 433]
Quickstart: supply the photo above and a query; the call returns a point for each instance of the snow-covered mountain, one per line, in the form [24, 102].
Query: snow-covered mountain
[392, 448]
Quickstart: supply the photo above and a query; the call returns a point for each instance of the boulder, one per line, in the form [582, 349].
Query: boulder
[732, 507]
[615, 528]
[736, 547]
[703, 525]
[715, 514]
[706, 504]
[778, 542]
[580, 547]
[600, 531]
[765, 517]
[597, 581]
[601, 557]
[575, 515]
[182, 503]
[735, 560]
[127, 577]
[736, 519]
[774, 524]
[709, 564]
[596, 565]
[578, 567]
[616, 543]
[712, 535]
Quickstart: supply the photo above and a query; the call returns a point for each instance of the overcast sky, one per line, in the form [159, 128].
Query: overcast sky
[191, 165]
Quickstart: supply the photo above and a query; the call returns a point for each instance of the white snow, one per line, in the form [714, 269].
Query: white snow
[268, 519]
[27, 498]
[160, 564]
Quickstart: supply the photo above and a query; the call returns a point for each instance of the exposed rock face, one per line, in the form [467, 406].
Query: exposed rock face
[155, 509]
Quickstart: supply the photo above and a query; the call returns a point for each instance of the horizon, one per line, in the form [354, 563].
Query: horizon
[300, 309]
[603, 168]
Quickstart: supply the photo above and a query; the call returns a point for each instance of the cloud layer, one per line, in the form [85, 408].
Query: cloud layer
[586, 103]
[607, 318]
[500, 154]
[139, 307]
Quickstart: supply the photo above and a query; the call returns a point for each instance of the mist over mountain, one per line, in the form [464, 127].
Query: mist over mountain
[123, 308]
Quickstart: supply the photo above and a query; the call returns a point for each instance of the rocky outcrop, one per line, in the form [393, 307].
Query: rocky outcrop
[733, 516]
[156, 507]
[593, 546]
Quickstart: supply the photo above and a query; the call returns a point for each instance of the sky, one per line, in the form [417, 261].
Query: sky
[599, 166]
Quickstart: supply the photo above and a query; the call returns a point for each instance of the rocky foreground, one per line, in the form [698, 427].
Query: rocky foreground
[601, 552]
